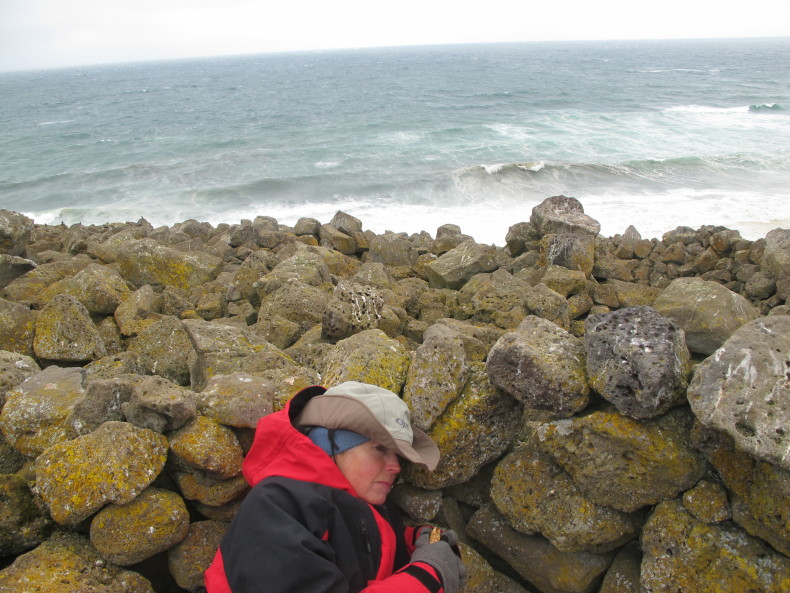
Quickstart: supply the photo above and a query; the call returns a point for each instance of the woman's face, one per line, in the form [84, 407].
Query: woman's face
[371, 469]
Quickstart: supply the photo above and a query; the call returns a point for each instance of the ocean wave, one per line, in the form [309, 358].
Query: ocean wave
[766, 108]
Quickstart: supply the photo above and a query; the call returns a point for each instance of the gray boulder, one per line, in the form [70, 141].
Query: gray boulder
[352, 308]
[148, 262]
[14, 368]
[99, 288]
[66, 333]
[776, 260]
[638, 360]
[163, 349]
[392, 250]
[158, 404]
[190, 557]
[743, 390]
[682, 553]
[238, 399]
[17, 327]
[12, 267]
[541, 365]
[706, 311]
[573, 251]
[456, 267]
[137, 312]
[560, 214]
[623, 463]
[535, 559]
[305, 267]
[15, 232]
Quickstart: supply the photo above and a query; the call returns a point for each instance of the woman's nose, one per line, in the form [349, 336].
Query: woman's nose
[393, 463]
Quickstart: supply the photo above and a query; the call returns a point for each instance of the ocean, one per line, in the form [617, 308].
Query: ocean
[655, 134]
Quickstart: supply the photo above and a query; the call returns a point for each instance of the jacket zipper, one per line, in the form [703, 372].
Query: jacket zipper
[366, 535]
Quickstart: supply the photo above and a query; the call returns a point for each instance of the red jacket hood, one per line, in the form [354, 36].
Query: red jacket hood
[279, 449]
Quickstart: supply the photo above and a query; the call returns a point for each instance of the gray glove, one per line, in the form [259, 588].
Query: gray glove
[441, 557]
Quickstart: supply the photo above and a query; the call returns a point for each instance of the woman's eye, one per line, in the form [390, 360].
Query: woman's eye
[381, 449]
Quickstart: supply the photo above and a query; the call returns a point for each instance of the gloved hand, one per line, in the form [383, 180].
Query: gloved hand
[443, 558]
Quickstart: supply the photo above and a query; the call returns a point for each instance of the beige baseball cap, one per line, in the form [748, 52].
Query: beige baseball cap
[374, 412]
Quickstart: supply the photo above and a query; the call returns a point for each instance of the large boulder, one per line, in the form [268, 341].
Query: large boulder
[537, 496]
[129, 533]
[743, 389]
[37, 413]
[17, 327]
[706, 311]
[67, 563]
[305, 267]
[682, 553]
[498, 298]
[158, 404]
[352, 308]
[255, 266]
[535, 559]
[238, 399]
[15, 232]
[541, 365]
[476, 428]
[436, 375]
[623, 463]
[573, 251]
[114, 463]
[190, 557]
[368, 357]
[99, 288]
[66, 333]
[392, 250]
[456, 267]
[559, 215]
[163, 349]
[12, 267]
[28, 288]
[148, 262]
[14, 368]
[297, 302]
[653, 365]
[205, 444]
[138, 311]
[23, 523]
[776, 260]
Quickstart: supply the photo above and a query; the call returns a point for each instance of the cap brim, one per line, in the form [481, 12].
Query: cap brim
[341, 411]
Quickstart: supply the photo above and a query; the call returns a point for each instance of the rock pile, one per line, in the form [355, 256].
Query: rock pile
[612, 413]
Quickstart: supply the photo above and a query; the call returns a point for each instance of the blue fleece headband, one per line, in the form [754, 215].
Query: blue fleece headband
[343, 440]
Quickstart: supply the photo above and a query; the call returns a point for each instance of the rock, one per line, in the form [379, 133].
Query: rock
[297, 302]
[706, 311]
[543, 302]
[138, 311]
[305, 267]
[498, 298]
[210, 490]
[256, 265]
[776, 260]
[623, 575]
[15, 232]
[99, 288]
[334, 238]
[148, 262]
[569, 250]
[67, 563]
[392, 250]
[151, 523]
[628, 294]
[23, 523]
[480, 577]
[12, 267]
[114, 365]
[535, 559]
[519, 237]
[420, 505]
[65, 332]
[368, 357]
[238, 399]
[17, 328]
[346, 223]
[541, 365]
[537, 496]
[436, 376]
[564, 281]
[652, 361]
[456, 267]
[307, 226]
[476, 428]
[206, 445]
[352, 308]
[682, 553]
[757, 491]
[158, 404]
[114, 463]
[190, 558]
[37, 412]
[624, 463]
[163, 349]
[560, 214]
[222, 350]
[743, 389]
[707, 502]
[28, 288]
[276, 329]
[14, 368]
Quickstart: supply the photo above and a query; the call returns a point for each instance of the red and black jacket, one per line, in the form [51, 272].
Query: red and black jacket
[303, 529]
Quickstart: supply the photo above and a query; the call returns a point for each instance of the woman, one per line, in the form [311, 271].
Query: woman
[317, 518]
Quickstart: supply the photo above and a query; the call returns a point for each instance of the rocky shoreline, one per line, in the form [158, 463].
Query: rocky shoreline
[612, 412]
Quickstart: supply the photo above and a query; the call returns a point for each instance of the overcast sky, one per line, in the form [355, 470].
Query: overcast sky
[38, 34]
